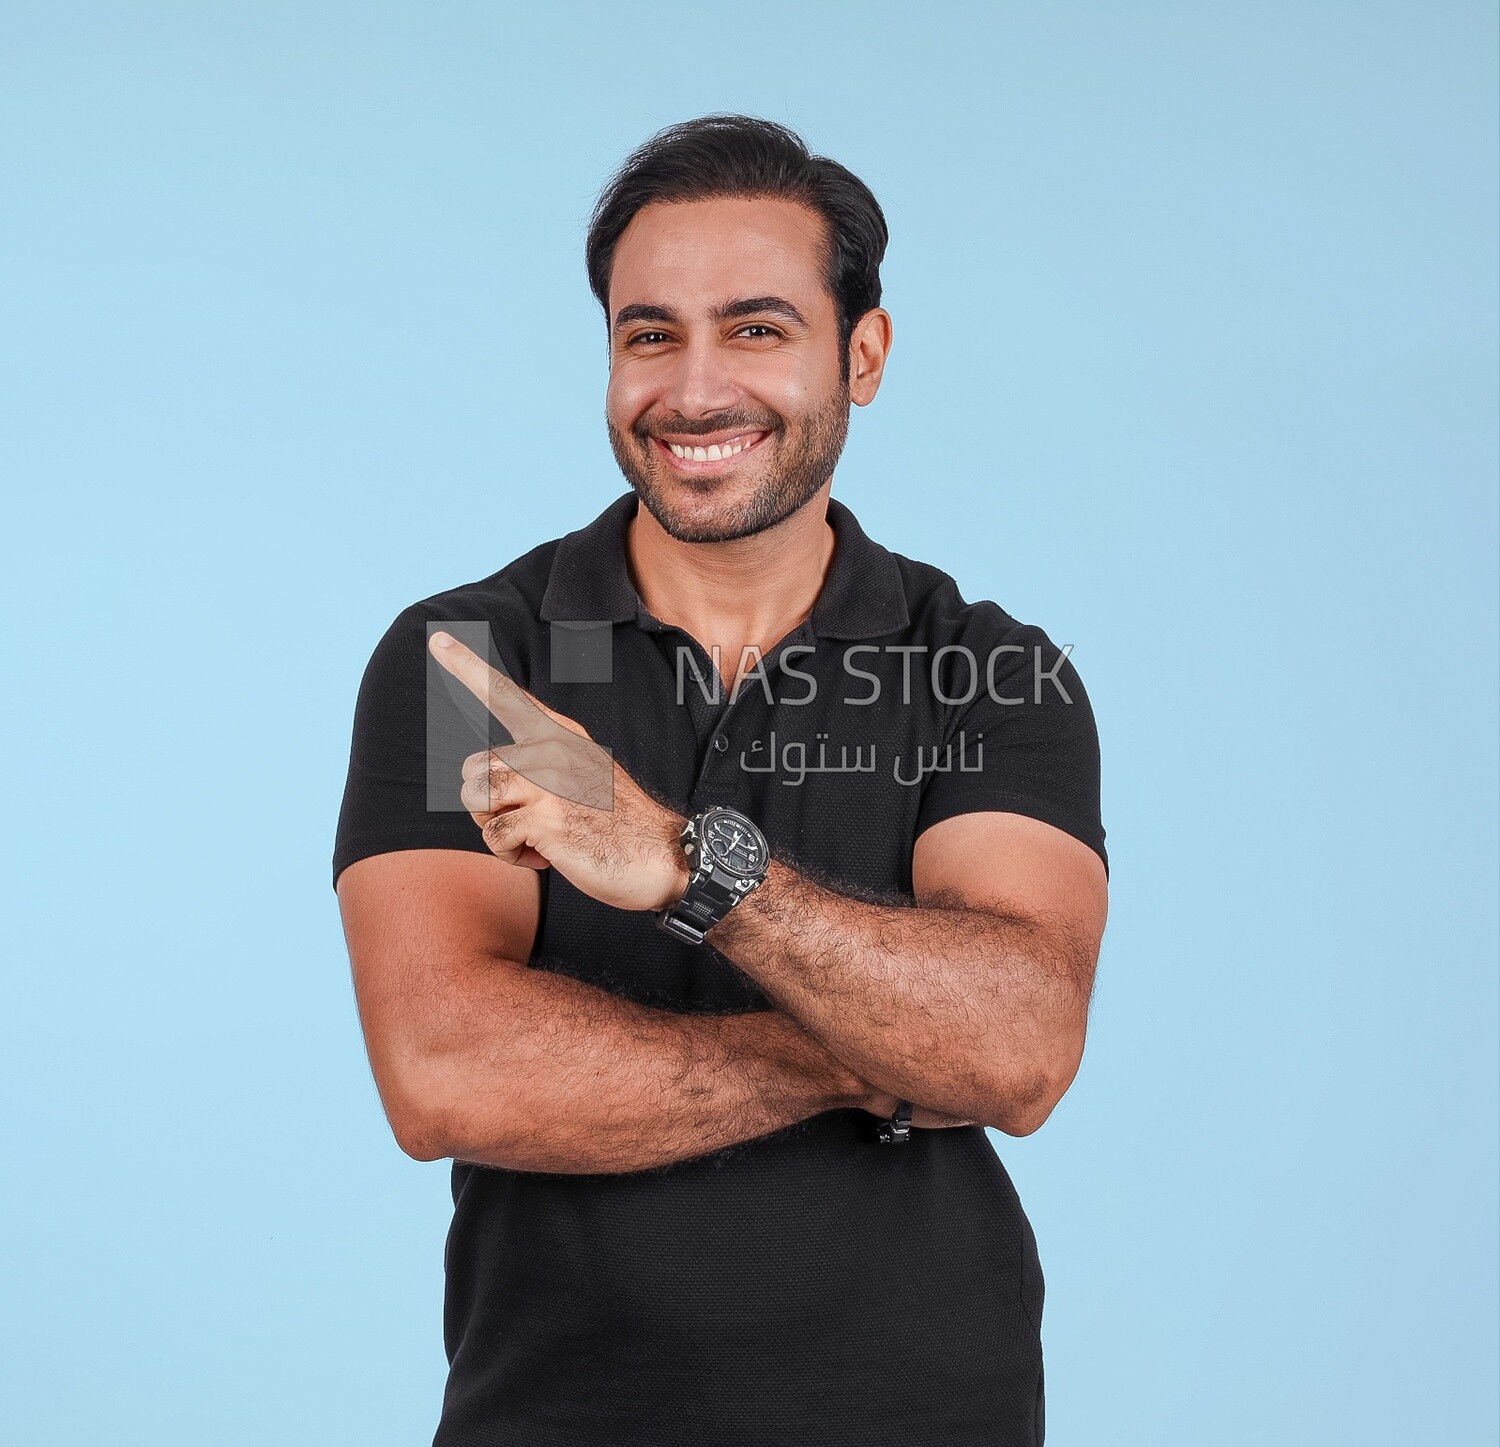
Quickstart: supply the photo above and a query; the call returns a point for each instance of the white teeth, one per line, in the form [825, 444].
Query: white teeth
[715, 453]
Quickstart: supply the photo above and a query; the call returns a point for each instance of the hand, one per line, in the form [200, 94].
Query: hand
[554, 798]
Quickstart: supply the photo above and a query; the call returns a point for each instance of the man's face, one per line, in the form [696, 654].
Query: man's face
[724, 335]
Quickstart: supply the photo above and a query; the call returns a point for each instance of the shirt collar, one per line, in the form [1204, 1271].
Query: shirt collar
[862, 596]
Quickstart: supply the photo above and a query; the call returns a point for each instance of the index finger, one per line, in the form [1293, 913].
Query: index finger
[525, 718]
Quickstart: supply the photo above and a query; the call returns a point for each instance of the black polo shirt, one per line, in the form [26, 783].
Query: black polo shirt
[811, 1286]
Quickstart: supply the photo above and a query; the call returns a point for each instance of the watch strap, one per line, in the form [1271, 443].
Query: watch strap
[897, 1130]
[704, 904]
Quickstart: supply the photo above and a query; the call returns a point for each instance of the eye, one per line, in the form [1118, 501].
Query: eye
[759, 327]
[641, 338]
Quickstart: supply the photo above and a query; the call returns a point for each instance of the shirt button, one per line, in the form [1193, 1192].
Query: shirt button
[721, 742]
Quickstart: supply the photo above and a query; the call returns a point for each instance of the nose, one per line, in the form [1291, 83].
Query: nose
[701, 382]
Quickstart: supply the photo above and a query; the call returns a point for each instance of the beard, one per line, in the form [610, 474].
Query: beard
[799, 475]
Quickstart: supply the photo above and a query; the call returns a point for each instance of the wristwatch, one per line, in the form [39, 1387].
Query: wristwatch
[729, 858]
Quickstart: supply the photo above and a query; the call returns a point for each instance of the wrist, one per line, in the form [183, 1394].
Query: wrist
[739, 928]
[674, 870]
[678, 877]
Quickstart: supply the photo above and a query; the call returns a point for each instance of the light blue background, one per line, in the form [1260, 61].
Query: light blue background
[1195, 366]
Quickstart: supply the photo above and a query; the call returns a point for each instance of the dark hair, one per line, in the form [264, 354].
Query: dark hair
[732, 155]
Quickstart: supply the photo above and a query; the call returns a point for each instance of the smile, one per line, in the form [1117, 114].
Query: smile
[692, 457]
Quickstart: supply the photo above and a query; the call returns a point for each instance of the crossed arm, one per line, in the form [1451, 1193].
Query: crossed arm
[976, 1014]
[479, 1057]
[972, 1003]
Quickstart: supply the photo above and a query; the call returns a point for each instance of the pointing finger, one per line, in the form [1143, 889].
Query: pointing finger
[525, 718]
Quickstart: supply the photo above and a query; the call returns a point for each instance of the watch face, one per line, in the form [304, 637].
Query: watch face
[734, 845]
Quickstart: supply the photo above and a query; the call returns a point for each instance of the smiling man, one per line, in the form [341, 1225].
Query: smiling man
[713, 876]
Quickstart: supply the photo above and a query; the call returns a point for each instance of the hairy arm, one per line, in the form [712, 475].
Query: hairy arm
[478, 1057]
[974, 999]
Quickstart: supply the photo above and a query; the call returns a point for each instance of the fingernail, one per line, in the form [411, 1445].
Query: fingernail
[442, 640]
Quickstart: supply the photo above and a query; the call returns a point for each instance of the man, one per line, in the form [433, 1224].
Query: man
[788, 879]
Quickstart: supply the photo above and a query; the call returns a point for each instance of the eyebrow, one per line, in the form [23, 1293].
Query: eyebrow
[779, 306]
[776, 306]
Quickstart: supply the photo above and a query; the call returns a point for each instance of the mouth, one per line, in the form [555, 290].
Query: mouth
[699, 456]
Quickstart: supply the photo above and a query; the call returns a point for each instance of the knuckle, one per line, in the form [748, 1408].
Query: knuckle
[478, 765]
[514, 756]
[503, 832]
[484, 791]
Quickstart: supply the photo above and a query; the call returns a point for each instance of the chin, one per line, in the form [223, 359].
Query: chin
[698, 513]
[716, 512]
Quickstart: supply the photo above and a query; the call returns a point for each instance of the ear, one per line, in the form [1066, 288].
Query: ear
[869, 346]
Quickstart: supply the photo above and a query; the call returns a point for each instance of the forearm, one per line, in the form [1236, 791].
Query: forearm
[571, 1078]
[964, 1009]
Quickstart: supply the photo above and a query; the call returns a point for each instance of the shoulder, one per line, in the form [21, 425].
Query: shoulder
[499, 612]
[513, 592]
[1008, 687]
[940, 615]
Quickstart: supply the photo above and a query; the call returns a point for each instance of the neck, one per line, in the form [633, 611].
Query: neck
[747, 593]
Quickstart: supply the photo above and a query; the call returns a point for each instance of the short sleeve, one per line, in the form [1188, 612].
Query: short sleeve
[413, 727]
[1026, 743]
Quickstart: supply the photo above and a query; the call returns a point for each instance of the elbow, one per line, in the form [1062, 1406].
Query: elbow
[1017, 1118]
[420, 1132]
[414, 1109]
[437, 1113]
[1021, 1107]
[1024, 1100]
[420, 1139]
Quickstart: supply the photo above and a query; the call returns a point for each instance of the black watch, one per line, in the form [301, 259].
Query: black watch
[728, 857]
